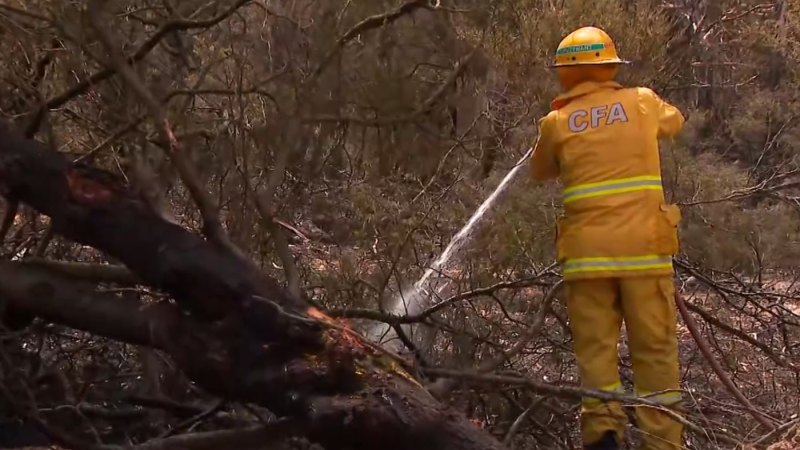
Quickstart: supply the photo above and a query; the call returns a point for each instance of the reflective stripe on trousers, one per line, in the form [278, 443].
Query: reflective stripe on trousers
[616, 264]
[615, 388]
[610, 187]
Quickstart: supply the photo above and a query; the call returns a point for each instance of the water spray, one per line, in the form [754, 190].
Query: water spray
[432, 283]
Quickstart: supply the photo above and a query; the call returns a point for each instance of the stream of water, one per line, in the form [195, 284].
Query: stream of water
[434, 281]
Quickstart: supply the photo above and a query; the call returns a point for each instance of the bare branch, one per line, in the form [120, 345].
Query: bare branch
[246, 438]
[209, 210]
[263, 199]
[711, 319]
[98, 273]
[356, 313]
[444, 386]
[24, 13]
[760, 417]
[367, 24]
[421, 110]
[45, 294]
[151, 43]
[244, 338]
[571, 392]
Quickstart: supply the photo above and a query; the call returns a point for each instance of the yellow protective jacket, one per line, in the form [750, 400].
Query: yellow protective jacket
[601, 140]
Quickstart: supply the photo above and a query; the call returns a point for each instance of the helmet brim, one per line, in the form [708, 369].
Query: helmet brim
[619, 62]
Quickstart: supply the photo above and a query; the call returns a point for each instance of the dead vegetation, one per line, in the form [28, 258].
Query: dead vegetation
[338, 145]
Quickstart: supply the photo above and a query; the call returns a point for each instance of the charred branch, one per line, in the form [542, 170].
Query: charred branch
[235, 332]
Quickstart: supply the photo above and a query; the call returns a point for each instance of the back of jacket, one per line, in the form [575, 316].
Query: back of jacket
[602, 141]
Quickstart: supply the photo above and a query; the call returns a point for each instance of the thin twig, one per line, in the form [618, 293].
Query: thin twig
[760, 417]
[772, 435]
[264, 206]
[24, 13]
[573, 392]
[444, 386]
[424, 108]
[243, 438]
[213, 409]
[708, 317]
[367, 24]
[515, 426]
[212, 227]
[83, 86]
[371, 314]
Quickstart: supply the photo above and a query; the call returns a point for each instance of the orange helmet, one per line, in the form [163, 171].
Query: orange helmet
[586, 46]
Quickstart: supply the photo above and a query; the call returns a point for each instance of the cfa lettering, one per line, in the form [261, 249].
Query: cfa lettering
[581, 119]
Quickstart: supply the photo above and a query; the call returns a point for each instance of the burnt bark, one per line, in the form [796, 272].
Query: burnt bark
[234, 331]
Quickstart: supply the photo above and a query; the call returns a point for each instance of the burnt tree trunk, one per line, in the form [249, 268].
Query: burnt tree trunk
[234, 331]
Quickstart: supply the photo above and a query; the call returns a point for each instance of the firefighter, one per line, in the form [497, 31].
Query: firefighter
[617, 237]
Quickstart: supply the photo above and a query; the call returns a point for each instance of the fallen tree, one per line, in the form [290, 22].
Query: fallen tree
[232, 330]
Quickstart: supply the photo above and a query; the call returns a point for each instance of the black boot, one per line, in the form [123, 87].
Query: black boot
[607, 442]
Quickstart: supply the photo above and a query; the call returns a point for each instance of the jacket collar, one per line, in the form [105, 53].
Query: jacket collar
[580, 90]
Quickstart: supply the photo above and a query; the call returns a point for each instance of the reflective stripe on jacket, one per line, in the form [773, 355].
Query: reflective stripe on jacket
[601, 140]
[611, 187]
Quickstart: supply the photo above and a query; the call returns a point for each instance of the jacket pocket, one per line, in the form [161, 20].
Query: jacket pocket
[666, 233]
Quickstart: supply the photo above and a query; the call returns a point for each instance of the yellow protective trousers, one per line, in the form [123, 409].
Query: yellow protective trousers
[596, 309]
